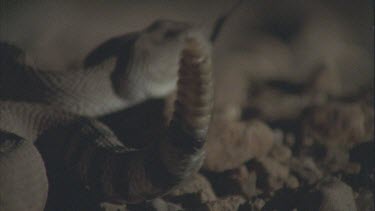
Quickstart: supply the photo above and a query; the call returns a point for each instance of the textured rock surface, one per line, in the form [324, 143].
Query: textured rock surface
[226, 204]
[112, 207]
[306, 170]
[231, 143]
[343, 124]
[161, 205]
[197, 185]
[365, 200]
[330, 195]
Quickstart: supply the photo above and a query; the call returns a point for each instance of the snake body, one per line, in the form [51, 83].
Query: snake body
[48, 130]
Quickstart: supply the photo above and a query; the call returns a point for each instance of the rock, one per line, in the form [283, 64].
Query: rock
[334, 160]
[305, 169]
[157, 204]
[283, 199]
[344, 124]
[231, 143]
[259, 204]
[199, 185]
[330, 194]
[161, 205]
[105, 206]
[292, 182]
[231, 203]
[276, 173]
[256, 205]
[275, 183]
[239, 181]
[248, 184]
[245, 180]
[280, 153]
[365, 200]
[275, 168]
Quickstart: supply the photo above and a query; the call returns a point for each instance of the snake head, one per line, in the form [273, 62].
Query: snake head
[147, 60]
[151, 68]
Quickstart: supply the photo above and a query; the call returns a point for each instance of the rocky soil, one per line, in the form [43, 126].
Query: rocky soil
[289, 147]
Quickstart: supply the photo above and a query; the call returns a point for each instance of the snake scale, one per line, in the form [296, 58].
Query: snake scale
[56, 155]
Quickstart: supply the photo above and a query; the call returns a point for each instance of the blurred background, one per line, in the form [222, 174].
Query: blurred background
[287, 39]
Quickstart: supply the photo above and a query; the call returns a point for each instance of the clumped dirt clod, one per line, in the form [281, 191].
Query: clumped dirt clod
[330, 194]
[231, 143]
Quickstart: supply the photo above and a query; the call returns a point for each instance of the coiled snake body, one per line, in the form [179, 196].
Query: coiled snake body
[51, 147]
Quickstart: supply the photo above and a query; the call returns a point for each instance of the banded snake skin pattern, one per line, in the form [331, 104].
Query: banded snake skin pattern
[56, 155]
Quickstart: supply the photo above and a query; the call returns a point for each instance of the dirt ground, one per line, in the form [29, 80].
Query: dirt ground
[293, 125]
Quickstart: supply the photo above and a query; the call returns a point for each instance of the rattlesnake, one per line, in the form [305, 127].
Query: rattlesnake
[78, 160]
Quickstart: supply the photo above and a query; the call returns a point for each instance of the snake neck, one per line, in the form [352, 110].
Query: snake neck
[88, 93]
